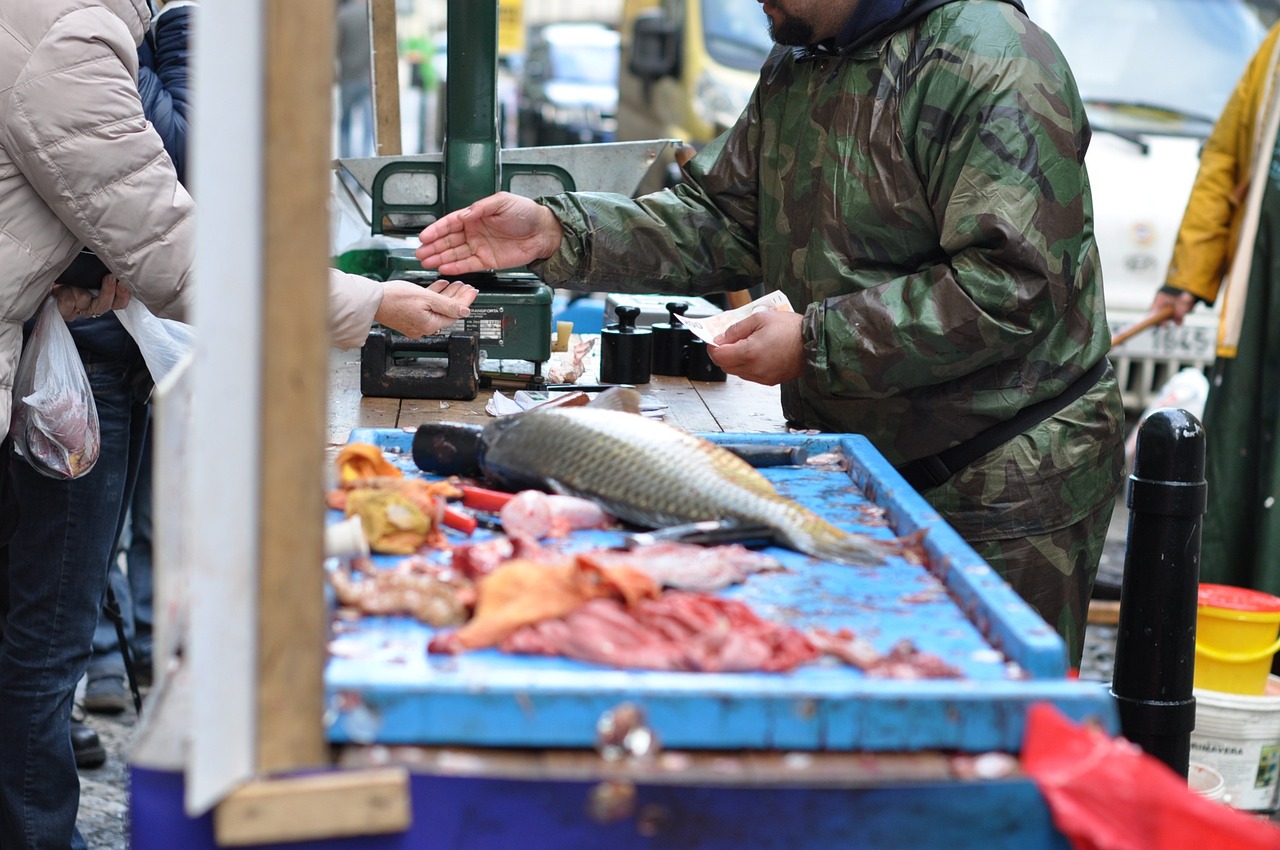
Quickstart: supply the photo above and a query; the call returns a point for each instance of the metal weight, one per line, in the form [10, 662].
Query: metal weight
[625, 350]
[671, 342]
[700, 366]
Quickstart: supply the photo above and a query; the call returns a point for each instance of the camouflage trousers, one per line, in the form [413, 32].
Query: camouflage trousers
[1037, 508]
[1054, 572]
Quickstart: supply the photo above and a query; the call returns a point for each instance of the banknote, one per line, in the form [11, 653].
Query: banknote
[709, 327]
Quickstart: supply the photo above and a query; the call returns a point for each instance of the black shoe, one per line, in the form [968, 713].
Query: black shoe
[106, 693]
[87, 746]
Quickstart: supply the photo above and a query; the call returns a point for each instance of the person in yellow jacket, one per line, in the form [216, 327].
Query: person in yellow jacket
[1228, 248]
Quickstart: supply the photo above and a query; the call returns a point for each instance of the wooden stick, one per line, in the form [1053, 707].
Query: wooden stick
[315, 806]
[287, 728]
[386, 77]
[1141, 325]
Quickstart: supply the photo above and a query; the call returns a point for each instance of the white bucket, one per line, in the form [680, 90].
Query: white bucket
[1206, 781]
[1239, 736]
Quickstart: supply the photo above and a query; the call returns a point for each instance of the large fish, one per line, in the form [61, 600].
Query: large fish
[641, 470]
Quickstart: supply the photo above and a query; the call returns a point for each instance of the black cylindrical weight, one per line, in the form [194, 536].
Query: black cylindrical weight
[671, 342]
[626, 351]
[701, 367]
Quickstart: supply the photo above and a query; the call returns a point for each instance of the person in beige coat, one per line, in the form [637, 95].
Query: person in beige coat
[80, 167]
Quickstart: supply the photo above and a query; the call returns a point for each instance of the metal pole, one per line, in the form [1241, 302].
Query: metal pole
[471, 150]
[111, 610]
[1155, 646]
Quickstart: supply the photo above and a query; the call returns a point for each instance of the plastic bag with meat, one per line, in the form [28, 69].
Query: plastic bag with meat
[55, 420]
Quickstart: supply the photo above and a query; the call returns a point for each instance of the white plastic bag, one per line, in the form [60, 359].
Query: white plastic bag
[163, 342]
[55, 419]
[1188, 390]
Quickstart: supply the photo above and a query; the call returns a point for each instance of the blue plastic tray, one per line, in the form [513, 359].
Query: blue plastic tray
[383, 688]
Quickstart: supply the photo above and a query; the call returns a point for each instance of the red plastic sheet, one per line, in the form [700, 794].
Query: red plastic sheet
[1107, 794]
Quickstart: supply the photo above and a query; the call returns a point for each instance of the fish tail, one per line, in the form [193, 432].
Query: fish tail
[829, 543]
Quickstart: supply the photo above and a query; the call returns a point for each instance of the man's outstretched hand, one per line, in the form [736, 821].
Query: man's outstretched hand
[501, 231]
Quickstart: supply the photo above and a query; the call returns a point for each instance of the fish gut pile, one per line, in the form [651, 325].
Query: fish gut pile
[695, 632]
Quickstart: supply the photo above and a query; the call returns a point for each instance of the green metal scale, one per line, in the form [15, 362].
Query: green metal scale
[510, 321]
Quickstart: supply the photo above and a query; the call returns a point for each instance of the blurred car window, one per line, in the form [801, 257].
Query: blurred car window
[1182, 56]
[735, 35]
[569, 88]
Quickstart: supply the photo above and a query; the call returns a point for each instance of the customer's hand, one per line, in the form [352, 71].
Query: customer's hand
[75, 302]
[416, 311]
[501, 231]
[766, 347]
[1182, 304]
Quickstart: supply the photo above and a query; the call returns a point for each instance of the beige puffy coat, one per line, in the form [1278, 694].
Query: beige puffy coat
[80, 165]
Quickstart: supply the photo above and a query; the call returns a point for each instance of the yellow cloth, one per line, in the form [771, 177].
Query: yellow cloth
[358, 461]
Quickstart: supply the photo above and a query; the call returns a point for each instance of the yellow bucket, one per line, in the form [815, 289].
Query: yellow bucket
[1236, 637]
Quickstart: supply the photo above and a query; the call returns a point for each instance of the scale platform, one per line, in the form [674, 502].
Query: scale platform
[383, 688]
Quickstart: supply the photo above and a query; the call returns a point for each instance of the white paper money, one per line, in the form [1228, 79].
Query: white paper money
[710, 327]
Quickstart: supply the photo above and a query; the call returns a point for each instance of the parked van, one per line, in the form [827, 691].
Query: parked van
[688, 68]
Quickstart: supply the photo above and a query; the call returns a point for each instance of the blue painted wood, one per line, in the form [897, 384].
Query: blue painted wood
[384, 688]
[451, 813]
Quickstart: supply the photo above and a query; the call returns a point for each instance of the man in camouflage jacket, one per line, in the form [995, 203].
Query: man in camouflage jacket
[911, 175]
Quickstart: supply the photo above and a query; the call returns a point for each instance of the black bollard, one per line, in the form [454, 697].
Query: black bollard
[1156, 641]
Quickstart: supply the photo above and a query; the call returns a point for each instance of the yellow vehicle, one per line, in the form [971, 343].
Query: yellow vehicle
[688, 68]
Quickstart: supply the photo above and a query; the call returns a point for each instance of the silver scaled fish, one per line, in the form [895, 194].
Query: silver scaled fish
[647, 472]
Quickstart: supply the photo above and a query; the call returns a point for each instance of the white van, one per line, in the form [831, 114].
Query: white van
[1154, 75]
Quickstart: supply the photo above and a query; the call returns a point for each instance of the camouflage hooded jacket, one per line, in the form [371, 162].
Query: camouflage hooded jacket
[922, 198]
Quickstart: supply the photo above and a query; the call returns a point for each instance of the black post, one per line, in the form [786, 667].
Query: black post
[1156, 643]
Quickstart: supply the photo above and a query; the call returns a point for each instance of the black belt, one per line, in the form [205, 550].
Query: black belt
[933, 470]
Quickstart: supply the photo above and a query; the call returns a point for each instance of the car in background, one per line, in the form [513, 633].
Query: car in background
[688, 69]
[569, 88]
[1154, 76]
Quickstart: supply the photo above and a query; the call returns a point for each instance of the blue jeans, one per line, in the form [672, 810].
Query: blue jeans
[53, 574]
[133, 586]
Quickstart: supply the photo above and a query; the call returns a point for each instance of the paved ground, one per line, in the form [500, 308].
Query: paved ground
[104, 804]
